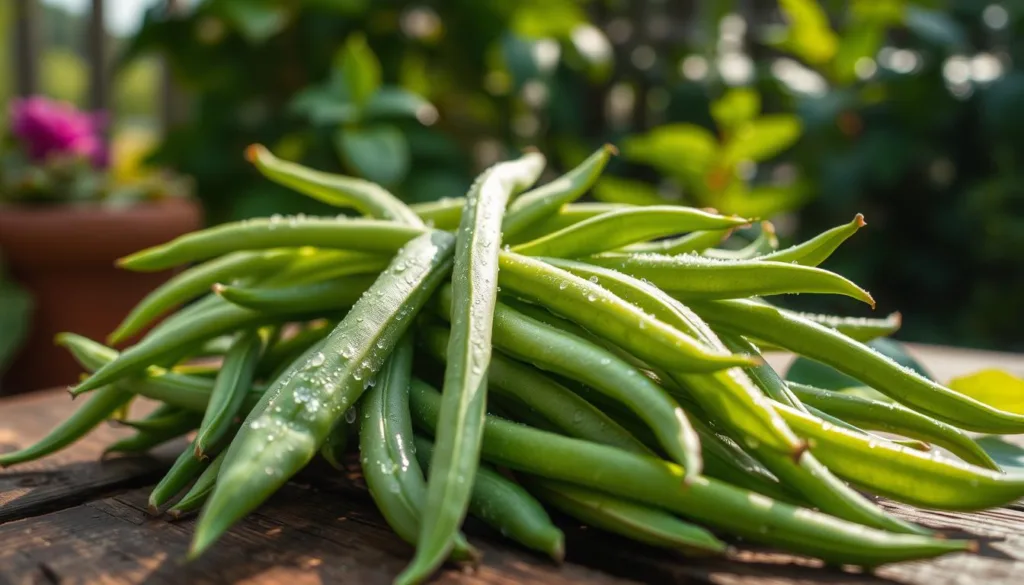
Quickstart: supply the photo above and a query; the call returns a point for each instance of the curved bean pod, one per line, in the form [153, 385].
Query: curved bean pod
[907, 475]
[606, 314]
[475, 291]
[285, 429]
[765, 243]
[894, 418]
[623, 227]
[766, 378]
[860, 328]
[230, 389]
[335, 293]
[200, 490]
[557, 404]
[694, 277]
[506, 507]
[553, 350]
[861, 362]
[197, 281]
[185, 468]
[634, 521]
[545, 200]
[443, 214]
[695, 242]
[364, 235]
[817, 249]
[338, 190]
[656, 482]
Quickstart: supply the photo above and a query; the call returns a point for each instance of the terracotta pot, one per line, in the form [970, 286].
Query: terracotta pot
[64, 256]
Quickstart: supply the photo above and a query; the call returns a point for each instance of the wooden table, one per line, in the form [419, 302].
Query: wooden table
[74, 519]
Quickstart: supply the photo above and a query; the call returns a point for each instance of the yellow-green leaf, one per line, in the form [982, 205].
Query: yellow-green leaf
[683, 150]
[736, 107]
[996, 388]
[762, 139]
[358, 69]
[616, 190]
[809, 35]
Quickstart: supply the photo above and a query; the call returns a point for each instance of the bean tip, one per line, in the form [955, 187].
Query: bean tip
[253, 152]
[611, 149]
[175, 514]
[972, 546]
[152, 509]
[859, 220]
[557, 552]
[218, 288]
[801, 448]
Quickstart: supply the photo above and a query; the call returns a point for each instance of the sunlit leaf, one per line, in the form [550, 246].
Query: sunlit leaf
[996, 388]
[764, 201]
[537, 19]
[809, 36]
[1009, 456]
[685, 150]
[616, 190]
[861, 42]
[763, 138]
[395, 102]
[736, 107]
[357, 69]
[323, 105]
[594, 50]
[378, 153]
[256, 20]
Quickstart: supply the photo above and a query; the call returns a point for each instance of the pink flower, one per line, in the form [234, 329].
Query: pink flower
[48, 128]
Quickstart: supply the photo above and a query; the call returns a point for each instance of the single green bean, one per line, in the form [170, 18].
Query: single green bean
[104, 403]
[333, 294]
[550, 349]
[546, 200]
[894, 418]
[200, 490]
[928, 480]
[196, 281]
[765, 243]
[443, 214]
[364, 235]
[230, 390]
[656, 482]
[634, 521]
[623, 227]
[817, 249]
[563, 218]
[860, 328]
[506, 507]
[695, 277]
[861, 362]
[475, 292]
[286, 428]
[695, 242]
[763, 375]
[338, 190]
[185, 468]
[143, 441]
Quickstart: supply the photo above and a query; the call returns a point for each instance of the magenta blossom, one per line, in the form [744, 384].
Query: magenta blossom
[48, 128]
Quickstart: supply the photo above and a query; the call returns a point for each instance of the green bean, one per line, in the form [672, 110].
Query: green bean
[550, 349]
[563, 218]
[656, 482]
[763, 375]
[286, 428]
[911, 443]
[286, 350]
[606, 314]
[204, 369]
[861, 362]
[816, 250]
[894, 418]
[860, 328]
[443, 214]
[336, 444]
[634, 521]
[105, 402]
[728, 394]
[695, 242]
[229, 391]
[338, 190]
[157, 421]
[695, 277]
[143, 441]
[927, 480]
[364, 235]
[387, 453]
[764, 244]
[506, 507]
[621, 227]
[474, 291]
[197, 281]
[185, 468]
[545, 200]
[336, 293]
[200, 490]
[554, 402]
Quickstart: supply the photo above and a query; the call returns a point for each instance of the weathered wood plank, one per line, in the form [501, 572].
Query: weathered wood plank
[67, 477]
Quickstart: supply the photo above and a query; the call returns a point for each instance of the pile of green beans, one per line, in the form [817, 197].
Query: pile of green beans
[601, 363]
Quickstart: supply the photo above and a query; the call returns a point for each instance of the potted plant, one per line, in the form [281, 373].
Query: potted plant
[64, 220]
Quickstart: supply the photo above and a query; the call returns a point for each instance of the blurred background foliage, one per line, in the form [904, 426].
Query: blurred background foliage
[800, 111]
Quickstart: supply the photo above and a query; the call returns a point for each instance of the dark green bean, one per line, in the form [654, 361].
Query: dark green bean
[200, 490]
[229, 393]
[334, 294]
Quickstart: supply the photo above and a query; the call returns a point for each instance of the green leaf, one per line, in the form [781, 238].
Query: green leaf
[15, 318]
[1009, 456]
[996, 388]
[819, 375]
[762, 139]
[395, 102]
[594, 51]
[935, 26]
[764, 202]
[683, 150]
[256, 20]
[357, 70]
[809, 35]
[323, 106]
[616, 190]
[738, 106]
[378, 153]
[537, 19]
[860, 42]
